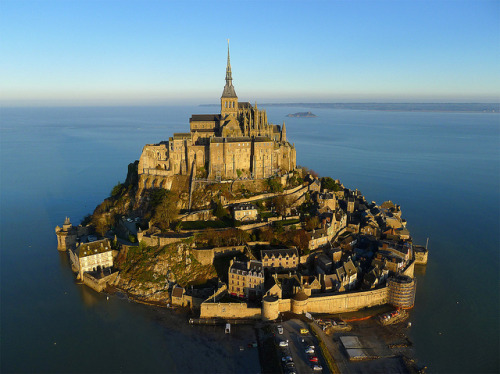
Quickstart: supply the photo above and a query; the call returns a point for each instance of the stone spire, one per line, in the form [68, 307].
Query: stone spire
[228, 88]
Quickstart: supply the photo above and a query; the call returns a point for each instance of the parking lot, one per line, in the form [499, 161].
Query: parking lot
[292, 345]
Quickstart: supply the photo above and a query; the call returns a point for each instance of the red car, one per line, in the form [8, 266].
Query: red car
[313, 359]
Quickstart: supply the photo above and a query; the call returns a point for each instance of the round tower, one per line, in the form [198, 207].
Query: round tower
[270, 308]
[402, 290]
[299, 303]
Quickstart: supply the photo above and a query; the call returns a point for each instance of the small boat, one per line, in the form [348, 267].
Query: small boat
[228, 328]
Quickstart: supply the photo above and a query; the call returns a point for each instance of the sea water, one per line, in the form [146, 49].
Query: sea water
[443, 168]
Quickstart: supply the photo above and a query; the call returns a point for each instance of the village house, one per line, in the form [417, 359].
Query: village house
[93, 256]
[318, 239]
[245, 212]
[402, 250]
[246, 279]
[326, 201]
[347, 275]
[280, 259]
[310, 284]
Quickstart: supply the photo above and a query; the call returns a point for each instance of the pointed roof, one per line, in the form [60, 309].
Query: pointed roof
[228, 88]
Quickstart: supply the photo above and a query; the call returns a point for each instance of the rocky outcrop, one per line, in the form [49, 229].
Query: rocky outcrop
[147, 273]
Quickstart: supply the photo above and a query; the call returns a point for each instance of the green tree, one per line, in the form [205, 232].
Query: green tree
[219, 211]
[166, 211]
[312, 223]
[281, 203]
[329, 184]
[275, 185]
[117, 190]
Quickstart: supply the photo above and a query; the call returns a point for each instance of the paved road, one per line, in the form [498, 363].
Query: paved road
[296, 348]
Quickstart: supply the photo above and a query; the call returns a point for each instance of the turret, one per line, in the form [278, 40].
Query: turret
[283, 132]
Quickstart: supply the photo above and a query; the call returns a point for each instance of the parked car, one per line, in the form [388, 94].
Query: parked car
[310, 351]
[284, 343]
[280, 329]
[304, 331]
[290, 365]
[311, 347]
[286, 358]
[317, 368]
[313, 359]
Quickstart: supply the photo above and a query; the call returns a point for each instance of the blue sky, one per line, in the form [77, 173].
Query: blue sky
[171, 52]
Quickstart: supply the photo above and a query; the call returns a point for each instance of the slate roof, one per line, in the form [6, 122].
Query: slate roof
[278, 252]
[92, 248]
[204, 117]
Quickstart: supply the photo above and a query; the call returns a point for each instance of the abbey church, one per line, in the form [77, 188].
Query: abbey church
[237, 143]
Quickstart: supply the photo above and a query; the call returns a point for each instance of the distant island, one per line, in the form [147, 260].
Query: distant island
[302, 114]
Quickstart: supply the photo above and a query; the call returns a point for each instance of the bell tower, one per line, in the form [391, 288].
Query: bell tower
[229, 100]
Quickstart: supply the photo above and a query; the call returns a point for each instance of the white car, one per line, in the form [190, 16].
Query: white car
[317, 368]
[310, 351]
[284, 343]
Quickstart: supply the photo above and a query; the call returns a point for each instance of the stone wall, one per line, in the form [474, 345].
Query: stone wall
[206, 256]
[347, 302]
[289, 192]
[338, 303]
[98, 284]
[158, 240]
[229, 310]
[200, 215]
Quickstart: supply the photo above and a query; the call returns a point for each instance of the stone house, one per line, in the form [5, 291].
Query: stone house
[330, 282]
[280, 259]
[178, 296]
[326, 200]
[318, 239]
[310, 284]
[245, 212]
[93, 256]
[246, 279]
[323, 264]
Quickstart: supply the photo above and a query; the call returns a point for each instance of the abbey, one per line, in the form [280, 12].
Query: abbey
[237, 143]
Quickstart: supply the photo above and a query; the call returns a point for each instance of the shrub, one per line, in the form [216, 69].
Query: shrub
[118, 190]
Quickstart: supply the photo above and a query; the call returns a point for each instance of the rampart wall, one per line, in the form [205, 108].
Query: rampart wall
[347, 302]
[206, 256]
[228, 310]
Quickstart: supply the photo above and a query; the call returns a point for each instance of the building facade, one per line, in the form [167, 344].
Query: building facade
[246, 279]
[92, 256]
[280, 259]
[238, 142]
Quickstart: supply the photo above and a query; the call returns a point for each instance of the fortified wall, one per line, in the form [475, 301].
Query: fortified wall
[400, 292]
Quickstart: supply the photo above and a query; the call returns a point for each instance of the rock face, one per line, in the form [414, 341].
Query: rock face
[146, 273]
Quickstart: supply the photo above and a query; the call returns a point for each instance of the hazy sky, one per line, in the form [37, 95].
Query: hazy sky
[170, 52]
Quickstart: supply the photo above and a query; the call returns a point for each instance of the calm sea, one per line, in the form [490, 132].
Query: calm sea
[442, 168]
